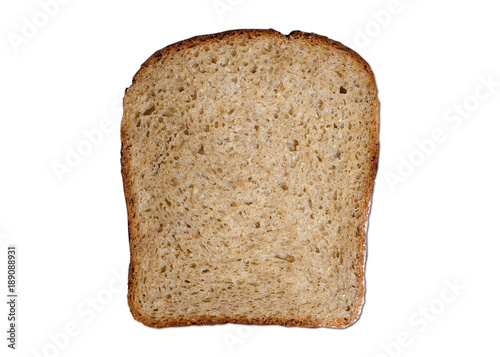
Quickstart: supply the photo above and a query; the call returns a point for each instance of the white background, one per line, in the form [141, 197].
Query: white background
[435, 209]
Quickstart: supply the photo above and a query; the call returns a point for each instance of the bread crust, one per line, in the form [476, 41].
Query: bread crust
[132, 224]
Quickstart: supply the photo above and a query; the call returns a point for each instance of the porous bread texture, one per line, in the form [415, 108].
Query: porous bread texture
[248, 160]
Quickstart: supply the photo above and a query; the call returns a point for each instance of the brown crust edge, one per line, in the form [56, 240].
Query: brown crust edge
[210, 320]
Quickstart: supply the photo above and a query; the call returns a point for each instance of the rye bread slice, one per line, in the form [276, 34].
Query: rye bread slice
[248, 163]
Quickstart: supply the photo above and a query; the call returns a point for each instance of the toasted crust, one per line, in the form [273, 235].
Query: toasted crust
[132, 223]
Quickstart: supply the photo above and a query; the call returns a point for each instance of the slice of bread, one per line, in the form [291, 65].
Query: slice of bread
[248, 162]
